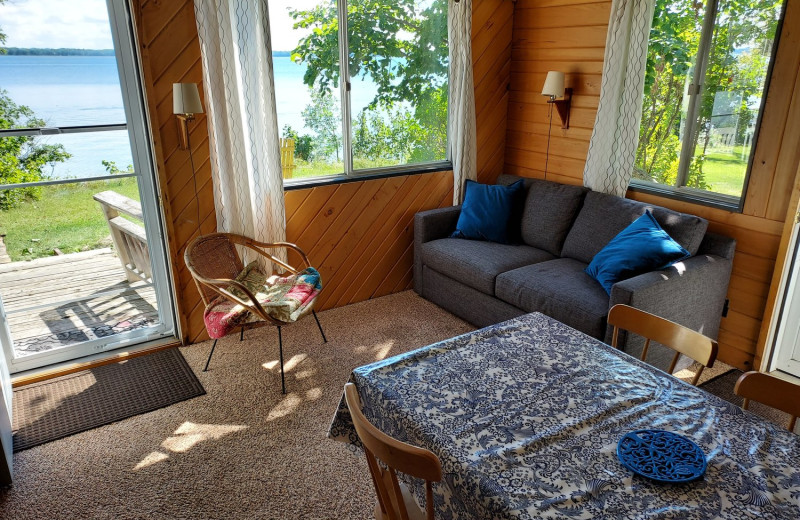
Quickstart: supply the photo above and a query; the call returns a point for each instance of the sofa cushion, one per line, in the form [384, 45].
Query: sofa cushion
[603, 216]
[546, 214]
[561, 289]
[476, 263]
[550, 209]
[643, 246]
[486, 210]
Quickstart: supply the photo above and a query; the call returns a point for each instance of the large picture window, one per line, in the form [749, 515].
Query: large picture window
[390, 113]
[707, 67]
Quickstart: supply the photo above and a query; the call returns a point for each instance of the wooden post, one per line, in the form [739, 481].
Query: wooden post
[287, 157]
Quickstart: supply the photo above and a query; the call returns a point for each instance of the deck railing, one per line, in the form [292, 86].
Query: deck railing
[130, 240]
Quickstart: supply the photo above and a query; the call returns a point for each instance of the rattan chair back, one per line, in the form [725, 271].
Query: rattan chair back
[212, 257]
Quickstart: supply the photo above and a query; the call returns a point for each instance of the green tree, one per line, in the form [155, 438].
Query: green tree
[403, 49]
[112, 168]
[741, 44]
[23, 158]
[303, 144]
[323, 116]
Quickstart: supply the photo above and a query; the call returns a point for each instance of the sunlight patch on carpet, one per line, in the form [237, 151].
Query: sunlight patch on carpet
[187, 436]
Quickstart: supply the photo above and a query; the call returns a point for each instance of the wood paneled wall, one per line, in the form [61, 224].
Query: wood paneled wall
[359, 234]
[564, 35]
[569, 35]
[492, 25]
[170, 53]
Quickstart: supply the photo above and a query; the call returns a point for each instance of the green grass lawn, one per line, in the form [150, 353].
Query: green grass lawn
[318, 169]
[725, 172]
[66, 217]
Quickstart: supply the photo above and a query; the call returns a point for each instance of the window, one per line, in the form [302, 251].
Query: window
[707, 66]
[391, 113]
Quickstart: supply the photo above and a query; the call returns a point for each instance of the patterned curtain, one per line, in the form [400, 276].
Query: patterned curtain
[242, 120]
[461, 110]
[612, 150]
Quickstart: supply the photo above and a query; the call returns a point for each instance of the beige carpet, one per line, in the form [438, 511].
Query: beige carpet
[242, 450]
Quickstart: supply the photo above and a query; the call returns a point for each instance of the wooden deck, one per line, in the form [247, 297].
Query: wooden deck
[63, 300]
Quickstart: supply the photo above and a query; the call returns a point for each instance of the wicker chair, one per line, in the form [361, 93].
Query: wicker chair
[214, 262]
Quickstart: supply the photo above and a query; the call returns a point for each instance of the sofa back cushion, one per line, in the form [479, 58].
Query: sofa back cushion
[549, 210]
[603, 216]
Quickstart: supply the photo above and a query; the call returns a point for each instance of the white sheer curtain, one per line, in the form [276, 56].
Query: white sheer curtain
[612, 150]
[242, 120]
[461, 113]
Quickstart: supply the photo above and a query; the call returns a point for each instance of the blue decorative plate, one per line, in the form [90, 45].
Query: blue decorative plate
[661, 456]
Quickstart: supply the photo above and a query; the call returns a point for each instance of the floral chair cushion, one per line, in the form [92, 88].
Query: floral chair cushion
[284, 298]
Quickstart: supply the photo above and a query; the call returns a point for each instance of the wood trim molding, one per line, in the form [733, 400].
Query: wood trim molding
[71, 368]
[766, 333]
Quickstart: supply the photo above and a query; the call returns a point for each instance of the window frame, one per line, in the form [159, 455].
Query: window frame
[679, 191]
[345, 88]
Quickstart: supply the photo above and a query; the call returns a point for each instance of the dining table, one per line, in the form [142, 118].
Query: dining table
[526, 417]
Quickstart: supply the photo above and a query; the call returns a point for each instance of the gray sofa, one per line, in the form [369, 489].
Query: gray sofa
[561, 228]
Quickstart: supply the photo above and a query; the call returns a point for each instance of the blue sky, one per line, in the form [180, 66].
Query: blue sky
[83, 24]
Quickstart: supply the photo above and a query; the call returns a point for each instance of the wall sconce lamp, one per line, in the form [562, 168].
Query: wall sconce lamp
[185, 104]
[554, 87]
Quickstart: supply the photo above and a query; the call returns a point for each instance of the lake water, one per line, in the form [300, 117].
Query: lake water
[84, 90]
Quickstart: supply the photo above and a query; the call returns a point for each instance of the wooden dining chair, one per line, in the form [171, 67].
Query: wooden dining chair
[394, 500]
[219, 273]
[682, 340]
[771, 391]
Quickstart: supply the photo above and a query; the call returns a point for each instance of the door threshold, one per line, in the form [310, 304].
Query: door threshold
[780, 374]
[63, 368]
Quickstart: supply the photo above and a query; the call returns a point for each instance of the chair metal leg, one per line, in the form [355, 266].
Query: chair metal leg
[241, 334]
[210, 354]
[324, 339]
[280, 351]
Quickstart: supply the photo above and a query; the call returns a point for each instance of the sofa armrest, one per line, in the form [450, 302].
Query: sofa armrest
[431, 225]
[435, 223]
[720, 245]
[691, 292]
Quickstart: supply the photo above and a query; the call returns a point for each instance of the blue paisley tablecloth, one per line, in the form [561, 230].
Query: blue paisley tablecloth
[526, 416]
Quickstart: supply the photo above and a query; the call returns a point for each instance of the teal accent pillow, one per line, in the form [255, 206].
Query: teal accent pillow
[486, 210]
[641, 247]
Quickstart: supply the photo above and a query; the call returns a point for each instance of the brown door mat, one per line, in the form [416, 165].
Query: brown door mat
[74, 403]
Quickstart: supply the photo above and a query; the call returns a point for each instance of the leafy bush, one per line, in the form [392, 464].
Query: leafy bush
[22, 158]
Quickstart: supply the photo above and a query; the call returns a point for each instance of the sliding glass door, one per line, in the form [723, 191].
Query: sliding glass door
[787, 344]
[82, 256]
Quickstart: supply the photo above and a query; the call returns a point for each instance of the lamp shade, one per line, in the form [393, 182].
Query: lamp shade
[186, 99]
[554, 84]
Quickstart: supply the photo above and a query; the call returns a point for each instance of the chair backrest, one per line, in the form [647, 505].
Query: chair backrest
[212, 256]
[771, 391]
[396, 456]
[682, 340]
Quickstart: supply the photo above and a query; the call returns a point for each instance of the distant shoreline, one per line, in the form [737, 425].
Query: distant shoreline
[36, 51]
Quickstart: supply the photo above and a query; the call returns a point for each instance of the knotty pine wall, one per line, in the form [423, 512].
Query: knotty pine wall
[569, 35]
[360, 233]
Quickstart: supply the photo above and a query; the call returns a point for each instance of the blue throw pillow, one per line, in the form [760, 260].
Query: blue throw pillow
[641, 247]
[486, 210]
